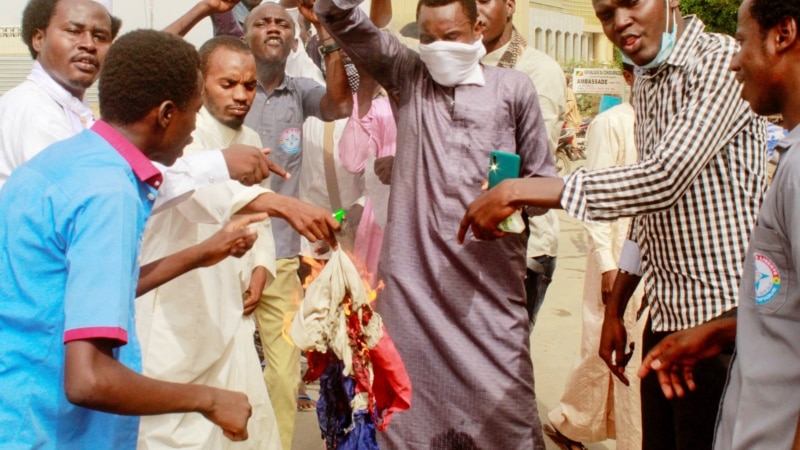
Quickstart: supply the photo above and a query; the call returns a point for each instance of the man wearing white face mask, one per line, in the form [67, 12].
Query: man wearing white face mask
[456, 313]
[694, 195]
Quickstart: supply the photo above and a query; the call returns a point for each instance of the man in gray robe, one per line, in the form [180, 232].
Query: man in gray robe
[456, 312]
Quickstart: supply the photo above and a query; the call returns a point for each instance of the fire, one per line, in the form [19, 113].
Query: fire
[366, 278]
[315, 266]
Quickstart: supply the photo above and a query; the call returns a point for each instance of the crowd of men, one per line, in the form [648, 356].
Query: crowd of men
[122, 313]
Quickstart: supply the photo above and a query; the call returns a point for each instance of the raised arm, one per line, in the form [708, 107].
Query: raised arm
[198, 12]
[337, 103]
[379, 53]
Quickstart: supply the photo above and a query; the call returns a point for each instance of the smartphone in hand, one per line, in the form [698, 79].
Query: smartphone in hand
[504, 165]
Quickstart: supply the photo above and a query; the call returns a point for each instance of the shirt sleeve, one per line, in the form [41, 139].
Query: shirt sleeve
[378, 52]
[312, 96]
[225, 24]
[190, 172]
[216, 204]
[601, 152]
[712, 116]
[530, 132]
[264, 250]
[102, 240]
[531, 137]
[551, 87]
[32, 127]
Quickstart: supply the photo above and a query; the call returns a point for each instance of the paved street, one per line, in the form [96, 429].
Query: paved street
[554, 342]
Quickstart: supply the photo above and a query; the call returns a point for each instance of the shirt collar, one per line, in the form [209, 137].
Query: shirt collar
[683, 48]
[493, 58]
[790, 140]
[694, 28]
[227, 133]
[280, 87]
[79, 108]
[143, 168]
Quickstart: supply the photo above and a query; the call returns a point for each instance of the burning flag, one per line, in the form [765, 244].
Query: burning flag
[362, 378]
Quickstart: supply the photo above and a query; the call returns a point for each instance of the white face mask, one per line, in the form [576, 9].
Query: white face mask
[454, 63]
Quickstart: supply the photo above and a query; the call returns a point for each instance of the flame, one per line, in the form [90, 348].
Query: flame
[367, 278]
[316, 266]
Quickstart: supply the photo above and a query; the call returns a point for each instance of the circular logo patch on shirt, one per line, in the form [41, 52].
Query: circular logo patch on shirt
[290, 140]
[768, 279]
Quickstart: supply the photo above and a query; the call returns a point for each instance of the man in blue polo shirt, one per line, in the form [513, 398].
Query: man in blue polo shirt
[73, 219]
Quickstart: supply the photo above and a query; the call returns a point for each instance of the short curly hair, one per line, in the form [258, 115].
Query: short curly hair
[37, 15]
[769, 13]
[211, 45]
[470, 7]
[143, 69]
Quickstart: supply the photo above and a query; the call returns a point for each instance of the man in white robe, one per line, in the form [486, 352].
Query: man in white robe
[197, 329]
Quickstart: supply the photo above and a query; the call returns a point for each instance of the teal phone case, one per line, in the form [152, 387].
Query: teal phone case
[502, 165]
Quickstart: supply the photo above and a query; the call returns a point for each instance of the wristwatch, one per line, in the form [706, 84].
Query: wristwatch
[330, 48]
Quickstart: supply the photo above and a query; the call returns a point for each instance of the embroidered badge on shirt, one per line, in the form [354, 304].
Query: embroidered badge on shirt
[290, 141]
[768, 279]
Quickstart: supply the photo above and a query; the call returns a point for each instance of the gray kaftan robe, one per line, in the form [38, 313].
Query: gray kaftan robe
[456, 312]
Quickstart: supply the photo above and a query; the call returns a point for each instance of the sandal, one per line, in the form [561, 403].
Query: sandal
[560, 440]
[306, 403]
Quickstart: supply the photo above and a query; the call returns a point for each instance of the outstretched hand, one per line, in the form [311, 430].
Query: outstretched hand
[234, 239]
[674, 358]
[250, 165]
[486, 212]
[313, 222]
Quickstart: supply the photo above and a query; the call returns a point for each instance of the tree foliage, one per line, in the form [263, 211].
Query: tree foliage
[718, 15]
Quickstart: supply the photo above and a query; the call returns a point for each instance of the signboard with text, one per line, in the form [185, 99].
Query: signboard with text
[598, 81]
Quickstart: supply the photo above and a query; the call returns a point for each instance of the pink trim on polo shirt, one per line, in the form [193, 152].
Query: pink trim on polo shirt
[142, 167]
[80, 334]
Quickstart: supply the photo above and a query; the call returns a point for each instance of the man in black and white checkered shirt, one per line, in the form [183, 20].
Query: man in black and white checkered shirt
[694, 194]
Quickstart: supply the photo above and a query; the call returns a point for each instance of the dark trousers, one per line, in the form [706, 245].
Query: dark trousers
[536, 283]
[687, 423]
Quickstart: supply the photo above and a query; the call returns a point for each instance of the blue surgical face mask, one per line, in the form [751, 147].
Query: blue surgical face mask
[667, 44]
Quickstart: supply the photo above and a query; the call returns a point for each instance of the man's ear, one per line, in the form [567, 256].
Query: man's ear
[37, 40]
[478, 30]
[511, 8]
[295, 44]
[165, 112]
[785, 34]
[628, 78]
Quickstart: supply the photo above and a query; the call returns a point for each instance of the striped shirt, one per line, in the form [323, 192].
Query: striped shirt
[697, 187]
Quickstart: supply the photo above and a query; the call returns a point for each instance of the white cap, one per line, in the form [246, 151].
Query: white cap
[108, 4]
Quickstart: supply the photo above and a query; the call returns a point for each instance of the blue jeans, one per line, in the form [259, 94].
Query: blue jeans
[536, 283]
